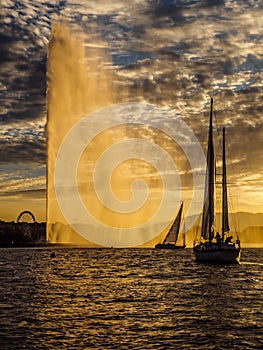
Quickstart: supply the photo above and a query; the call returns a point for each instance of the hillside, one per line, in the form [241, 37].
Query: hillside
[249, 227]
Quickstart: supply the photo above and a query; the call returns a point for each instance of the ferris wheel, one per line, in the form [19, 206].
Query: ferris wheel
[26, 216]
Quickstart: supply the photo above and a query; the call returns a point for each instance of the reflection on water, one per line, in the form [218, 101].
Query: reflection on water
[128, 299]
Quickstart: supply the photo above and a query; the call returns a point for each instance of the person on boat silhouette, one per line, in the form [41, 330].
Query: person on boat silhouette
[228, 239]
[218, 238]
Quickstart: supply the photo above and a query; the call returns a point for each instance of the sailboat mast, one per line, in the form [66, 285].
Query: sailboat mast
[211, 167]
[225, 223]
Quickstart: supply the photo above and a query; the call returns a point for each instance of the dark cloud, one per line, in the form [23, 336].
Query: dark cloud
[252, 63]
[23, 151]
[211, 3]
[176, 50]
[23, 76]
[7, 42]
[228, 67]
[163, 13]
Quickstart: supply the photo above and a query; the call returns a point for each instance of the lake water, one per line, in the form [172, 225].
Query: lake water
[128, 299]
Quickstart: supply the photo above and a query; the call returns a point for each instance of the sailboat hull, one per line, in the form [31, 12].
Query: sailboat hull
[224, 254]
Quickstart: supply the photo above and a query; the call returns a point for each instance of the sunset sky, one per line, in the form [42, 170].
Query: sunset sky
[176, 53]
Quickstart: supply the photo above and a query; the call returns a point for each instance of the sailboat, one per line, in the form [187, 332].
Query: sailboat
[218, 248]
[170, 239]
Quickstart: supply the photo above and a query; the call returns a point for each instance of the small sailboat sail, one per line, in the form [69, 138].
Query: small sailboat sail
[222, 250]
[172, 236]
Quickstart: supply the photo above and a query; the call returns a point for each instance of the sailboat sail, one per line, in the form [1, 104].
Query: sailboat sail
[208, 210]
[174, 230]
[225, 222]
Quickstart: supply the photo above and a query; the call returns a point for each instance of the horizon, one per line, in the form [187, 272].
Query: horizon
[195, 215]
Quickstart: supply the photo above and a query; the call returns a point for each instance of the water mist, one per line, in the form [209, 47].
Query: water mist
[76, 85]
[109, 160]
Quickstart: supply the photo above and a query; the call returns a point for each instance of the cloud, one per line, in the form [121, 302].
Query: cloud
[173, 53]
[27, 194]
[18, 184]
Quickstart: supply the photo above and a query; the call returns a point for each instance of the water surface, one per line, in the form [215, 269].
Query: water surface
[128, 299]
